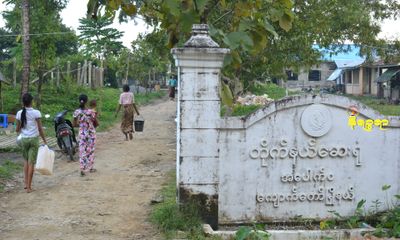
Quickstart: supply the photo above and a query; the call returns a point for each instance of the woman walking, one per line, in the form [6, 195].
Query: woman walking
[86, 120]
[127, 101]
[29, 126]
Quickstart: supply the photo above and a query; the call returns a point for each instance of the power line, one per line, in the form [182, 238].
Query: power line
[36, 34]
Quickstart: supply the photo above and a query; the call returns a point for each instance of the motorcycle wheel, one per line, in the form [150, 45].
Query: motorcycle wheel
[59, 143]
[70, 153]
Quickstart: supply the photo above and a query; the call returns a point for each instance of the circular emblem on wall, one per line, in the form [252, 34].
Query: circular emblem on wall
[316, 120]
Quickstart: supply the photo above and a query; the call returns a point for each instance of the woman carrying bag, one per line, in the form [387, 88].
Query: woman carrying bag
[29, 126]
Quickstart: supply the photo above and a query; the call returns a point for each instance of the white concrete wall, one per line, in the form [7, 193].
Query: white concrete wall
[255, 186]
[354, 89]
[295, 157]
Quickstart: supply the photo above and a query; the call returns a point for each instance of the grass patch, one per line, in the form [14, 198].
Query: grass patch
[142, 98]
[243, 110]
[239, 110]
[171, 218]
[7, 170]
[10, 149]
[377, 104]
[272, 90]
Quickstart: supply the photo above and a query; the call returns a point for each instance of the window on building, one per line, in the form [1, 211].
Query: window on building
[292, 76]
[314, 75]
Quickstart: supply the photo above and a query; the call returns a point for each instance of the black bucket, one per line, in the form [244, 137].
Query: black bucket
[139, 124]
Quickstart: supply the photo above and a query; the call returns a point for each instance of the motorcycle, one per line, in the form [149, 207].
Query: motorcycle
[65, 134]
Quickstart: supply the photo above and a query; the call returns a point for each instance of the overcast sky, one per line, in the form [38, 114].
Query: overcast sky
[77, 9]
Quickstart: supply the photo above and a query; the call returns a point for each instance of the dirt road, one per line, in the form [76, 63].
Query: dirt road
[113, 203]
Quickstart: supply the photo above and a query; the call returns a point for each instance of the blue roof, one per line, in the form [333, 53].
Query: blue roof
[347, 57]
[349, 52]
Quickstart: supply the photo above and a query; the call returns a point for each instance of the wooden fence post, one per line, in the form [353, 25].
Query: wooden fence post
[14, 72]
[98, 77]
[78, 77]
[94, 79]
[102, 73]
[52, 78]
[85, 73]
[58, 73]
[68, 69]
[90, 74]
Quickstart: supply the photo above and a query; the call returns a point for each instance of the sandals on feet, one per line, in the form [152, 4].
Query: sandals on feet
[83, 174]
[93, 170]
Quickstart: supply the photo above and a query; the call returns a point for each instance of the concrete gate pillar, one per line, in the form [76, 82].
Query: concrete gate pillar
[199, 63]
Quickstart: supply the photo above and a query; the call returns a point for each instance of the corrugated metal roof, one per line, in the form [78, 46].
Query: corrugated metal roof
[387, 76]
[335, 74]
[350, 52]
[349, 64]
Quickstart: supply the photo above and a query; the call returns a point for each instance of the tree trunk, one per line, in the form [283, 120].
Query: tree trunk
[26, 47]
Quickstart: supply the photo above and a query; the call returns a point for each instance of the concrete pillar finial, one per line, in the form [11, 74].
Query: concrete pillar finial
[200, 38]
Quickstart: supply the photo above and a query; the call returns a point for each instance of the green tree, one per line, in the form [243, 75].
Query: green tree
[260, 29]
[49, 37]
[102, 42]
[6, 44]
[98, 38]
[150, 57]
[248, 29]
[67, 44]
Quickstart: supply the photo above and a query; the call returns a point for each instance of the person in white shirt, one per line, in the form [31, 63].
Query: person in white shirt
[29, 126]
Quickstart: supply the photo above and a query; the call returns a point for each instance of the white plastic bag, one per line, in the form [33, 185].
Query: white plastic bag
[45, 160]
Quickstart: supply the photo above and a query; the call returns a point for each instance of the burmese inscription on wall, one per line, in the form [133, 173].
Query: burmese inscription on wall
[324, 189]
[301, 159]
